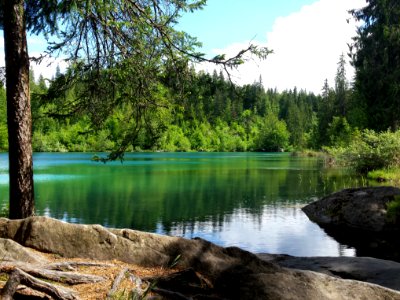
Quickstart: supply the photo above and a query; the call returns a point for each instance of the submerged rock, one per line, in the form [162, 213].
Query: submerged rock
[356, 208]
[233, 273]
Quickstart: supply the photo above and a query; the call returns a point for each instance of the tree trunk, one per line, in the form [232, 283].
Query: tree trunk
[18, 111]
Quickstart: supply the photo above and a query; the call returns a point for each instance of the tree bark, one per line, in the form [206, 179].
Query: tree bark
[18, 111]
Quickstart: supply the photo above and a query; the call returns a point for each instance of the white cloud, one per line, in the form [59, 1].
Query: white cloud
[306, 44]
[36, 47]
[47, 67]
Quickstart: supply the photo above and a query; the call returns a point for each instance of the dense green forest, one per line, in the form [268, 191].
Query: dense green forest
[185, 110]
[209, 113]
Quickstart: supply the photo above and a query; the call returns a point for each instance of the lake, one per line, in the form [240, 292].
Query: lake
[250, 200]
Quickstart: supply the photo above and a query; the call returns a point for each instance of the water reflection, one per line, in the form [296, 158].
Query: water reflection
[264, 233]
[251, 200]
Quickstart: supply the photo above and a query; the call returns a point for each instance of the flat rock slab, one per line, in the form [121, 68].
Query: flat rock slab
[378, 271]
[356, 208]
[233, 272]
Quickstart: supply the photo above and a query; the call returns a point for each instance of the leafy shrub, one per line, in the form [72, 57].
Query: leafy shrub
[3, 137]
[393, 210]
[274, 135]
[5, 211]
[339, 132]
[174, 139]
[372, 151]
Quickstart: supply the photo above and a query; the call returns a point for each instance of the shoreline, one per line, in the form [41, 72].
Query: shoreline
[227, 273]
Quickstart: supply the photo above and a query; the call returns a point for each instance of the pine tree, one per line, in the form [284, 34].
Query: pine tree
[376, 58]
[19, 120]
[341, 86]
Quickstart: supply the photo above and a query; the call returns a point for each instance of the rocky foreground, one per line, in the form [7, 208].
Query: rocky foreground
[203, 270]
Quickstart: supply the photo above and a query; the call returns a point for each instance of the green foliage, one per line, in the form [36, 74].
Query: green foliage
[227, 139]
[341, 87]
[3, 122]
[393, 210]
[174, 139]
[209, 115]
[274, 135]
[5, 211]
[339, 132]
[377, 62]
[372, 151]
[392, 175]
[3, 137]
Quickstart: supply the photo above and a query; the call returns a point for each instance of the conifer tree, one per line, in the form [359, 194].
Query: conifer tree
[341, 86]
[376, 58]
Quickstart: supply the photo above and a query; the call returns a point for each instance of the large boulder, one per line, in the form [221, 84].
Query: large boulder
[234, 273]
[357, 208]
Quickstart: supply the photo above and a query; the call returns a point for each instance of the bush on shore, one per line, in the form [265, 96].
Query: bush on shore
[370, 151]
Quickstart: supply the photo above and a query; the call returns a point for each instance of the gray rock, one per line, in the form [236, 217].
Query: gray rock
[357, 208]
[12, 251]
[85, 241]
[234, 273]
[378, 271]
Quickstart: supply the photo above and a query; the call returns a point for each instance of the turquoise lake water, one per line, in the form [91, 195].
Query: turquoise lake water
[250, 200]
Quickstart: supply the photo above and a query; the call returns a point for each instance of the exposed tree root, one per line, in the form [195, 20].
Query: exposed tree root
[23, 273]
[71, 266]
[17, 277]
[116, 283]
[53, 275]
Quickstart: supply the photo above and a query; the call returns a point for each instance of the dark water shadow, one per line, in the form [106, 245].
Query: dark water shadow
[367, 243]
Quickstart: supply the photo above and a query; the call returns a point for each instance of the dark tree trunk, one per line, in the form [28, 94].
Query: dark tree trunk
[18, 111]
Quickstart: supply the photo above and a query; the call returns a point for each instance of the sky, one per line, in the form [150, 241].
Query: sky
[307, 37]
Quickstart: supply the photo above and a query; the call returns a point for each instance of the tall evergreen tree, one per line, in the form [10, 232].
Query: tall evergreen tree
[19, 120]
[341, 86]
[325, 90]
[376, 58]
[326, 113]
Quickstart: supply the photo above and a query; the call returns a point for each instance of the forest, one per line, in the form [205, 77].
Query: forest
[209, 114]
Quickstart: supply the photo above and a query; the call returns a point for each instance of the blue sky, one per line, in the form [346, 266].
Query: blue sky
[224, 22]
[307, 37]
